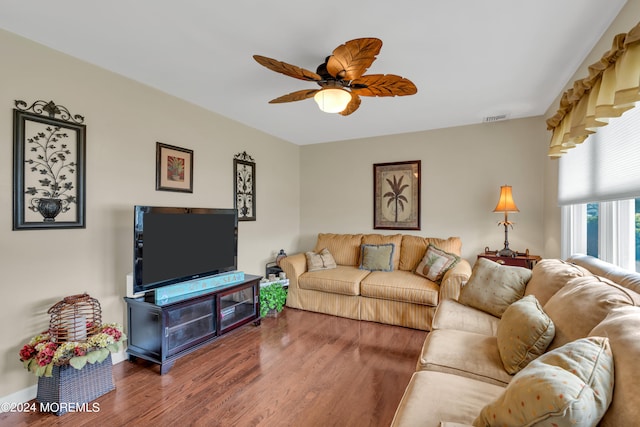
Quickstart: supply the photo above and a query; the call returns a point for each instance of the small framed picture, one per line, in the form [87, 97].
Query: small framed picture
[396, 195]
[174, 168]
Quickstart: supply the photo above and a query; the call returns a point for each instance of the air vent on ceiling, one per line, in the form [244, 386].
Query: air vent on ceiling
[496, 118]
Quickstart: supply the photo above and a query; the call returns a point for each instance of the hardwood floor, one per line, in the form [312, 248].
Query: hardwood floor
[297, 369]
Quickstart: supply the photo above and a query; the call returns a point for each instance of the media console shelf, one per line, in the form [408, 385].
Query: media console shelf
[163, 333]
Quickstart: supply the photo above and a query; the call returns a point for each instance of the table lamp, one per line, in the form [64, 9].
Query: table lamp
[506, 205]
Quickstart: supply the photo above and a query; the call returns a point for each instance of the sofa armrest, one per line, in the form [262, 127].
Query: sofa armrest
[294, 266]
[454, 280]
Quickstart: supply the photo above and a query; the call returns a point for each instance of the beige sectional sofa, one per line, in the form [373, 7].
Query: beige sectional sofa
[398, 297]
[574, 330]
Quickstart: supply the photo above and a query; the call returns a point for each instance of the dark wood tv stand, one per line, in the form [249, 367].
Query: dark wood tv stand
[164, 333]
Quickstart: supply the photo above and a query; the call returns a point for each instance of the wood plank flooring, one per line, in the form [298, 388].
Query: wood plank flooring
[297, 369]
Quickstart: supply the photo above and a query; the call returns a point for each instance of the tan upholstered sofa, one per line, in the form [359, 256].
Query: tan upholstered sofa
[398, 297]
[590, 310]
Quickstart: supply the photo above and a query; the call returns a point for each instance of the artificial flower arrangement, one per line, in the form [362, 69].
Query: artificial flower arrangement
[41, 354]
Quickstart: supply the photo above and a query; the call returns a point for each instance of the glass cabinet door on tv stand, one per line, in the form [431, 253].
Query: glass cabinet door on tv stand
[164, 333]
[236, 307]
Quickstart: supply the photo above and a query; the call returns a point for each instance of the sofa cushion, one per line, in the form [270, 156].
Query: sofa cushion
[343, 280]
[435, 263]
[384, 239]
[403, 286]
[432, 397]
[413, 249]
[345, 248]
[493, 287]
[320, 261]
[450, 314]
[524, 333]
[463, 353]
[583, 303]
[549, 275]
[622, 327]
[377, 257]
[569, 386]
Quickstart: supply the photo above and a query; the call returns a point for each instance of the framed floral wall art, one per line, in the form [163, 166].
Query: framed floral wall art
[48, 167]
[396, 195]
[174, 168]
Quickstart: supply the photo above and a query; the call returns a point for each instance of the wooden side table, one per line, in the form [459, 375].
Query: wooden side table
[522, 259]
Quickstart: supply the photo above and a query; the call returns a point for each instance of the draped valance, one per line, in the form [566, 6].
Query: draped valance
[611, 88]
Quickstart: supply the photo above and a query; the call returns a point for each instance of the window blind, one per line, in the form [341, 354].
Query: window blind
[606, 166]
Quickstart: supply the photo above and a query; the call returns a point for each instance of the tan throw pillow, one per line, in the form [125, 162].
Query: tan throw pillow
[377, 257]
[385, 239]
[493, 287]
[435, 263]
[524, 333]
[320, 261]
[569, 386]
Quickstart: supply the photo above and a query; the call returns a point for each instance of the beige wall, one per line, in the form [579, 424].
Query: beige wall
[462, 171]
[124, 120]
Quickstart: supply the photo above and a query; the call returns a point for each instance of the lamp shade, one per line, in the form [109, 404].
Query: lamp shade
[506, 203]
[332, 100]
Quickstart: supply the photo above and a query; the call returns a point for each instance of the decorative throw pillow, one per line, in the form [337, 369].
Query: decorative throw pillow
[435, 263]
[524, 333]
[493, 287]
[377, 257]
[569, 386]
[320, 261]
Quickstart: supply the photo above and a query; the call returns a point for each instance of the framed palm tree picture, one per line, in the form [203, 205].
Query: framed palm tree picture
[396, 195]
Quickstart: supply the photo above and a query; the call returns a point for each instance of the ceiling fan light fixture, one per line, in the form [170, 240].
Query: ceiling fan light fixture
[332, 100]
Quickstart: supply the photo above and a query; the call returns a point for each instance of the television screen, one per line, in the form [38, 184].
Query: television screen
[177, 244]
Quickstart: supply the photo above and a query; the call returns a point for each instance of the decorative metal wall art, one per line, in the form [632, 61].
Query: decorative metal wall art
[396, 195]
[174, 168]
[244, 168]
[48, 167]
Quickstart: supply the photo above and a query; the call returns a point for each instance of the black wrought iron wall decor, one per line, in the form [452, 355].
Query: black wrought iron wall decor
[48, 167]
[244, 168]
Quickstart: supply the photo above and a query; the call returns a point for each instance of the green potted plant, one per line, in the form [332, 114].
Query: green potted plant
[272, 297]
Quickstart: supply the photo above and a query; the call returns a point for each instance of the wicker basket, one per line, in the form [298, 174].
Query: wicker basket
[69, 388]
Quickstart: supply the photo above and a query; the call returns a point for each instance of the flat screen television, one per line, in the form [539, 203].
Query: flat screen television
[174, 244]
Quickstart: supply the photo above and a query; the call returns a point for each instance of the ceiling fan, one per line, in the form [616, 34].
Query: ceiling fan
[341, 78]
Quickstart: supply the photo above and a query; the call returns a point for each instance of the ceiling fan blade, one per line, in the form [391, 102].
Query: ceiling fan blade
[287, 69]
[295, 96]
[350, 60]
[352, 105]
[383, 85]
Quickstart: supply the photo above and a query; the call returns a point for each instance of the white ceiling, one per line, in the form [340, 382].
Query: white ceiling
[468, 58]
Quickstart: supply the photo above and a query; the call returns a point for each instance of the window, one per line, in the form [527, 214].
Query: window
[599, 192]
[607, 230]
[637, 227]
[592, 229]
